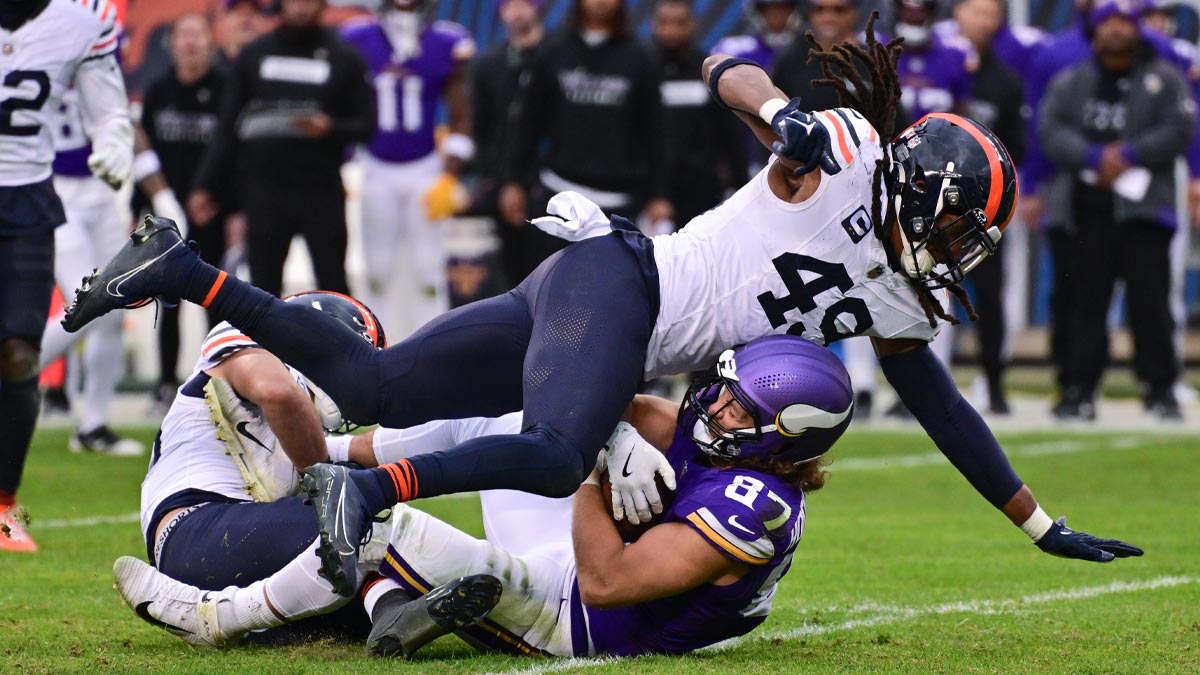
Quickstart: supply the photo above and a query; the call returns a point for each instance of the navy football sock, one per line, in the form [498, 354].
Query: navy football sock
[539, 461]
[19, 401]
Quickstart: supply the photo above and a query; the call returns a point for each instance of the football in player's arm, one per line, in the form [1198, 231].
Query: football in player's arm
[803, 143]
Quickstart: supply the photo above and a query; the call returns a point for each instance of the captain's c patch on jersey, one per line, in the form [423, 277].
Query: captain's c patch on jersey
[857, 224]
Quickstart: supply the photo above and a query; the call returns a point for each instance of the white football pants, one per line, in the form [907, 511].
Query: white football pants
[96, 228]
[403, 251]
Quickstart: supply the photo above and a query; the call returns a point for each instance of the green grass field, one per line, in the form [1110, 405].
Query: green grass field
[903, 569]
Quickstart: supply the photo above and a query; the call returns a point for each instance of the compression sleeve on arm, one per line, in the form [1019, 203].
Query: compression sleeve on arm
[925, 386]
[104, 103]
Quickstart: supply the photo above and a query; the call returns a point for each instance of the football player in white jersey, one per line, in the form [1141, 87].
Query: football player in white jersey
[845, 234]
[97, 225]
[219, 504]
[46, 48]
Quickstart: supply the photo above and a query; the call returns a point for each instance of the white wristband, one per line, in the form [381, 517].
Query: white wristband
[339, 447]
[1037, 524]
[460, 146]
[145, 164]
[766, 112]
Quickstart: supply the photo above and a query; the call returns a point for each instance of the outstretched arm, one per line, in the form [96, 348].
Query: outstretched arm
[925, 386]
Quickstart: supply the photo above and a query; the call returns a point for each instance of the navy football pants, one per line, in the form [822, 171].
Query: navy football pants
[567, 346]
[237, 543]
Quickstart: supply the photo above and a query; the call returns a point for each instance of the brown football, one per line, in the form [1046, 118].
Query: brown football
[628, 531]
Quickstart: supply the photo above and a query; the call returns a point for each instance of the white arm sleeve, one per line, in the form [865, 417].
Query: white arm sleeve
[104, 104]
[395, 444]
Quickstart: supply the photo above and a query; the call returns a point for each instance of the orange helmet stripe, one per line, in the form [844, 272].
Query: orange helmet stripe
[996, 189]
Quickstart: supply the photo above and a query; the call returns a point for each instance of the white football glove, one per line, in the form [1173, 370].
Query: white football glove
[573, 217]
[166, 205]
[632, 464]
[112, 163]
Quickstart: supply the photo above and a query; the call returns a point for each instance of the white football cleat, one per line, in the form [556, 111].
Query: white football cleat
[266, 468]
[172, 605]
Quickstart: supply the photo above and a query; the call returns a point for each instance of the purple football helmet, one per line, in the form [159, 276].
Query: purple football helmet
[796, 392]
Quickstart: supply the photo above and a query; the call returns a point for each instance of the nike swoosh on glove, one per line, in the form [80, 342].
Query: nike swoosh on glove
[803, 139]
[632, 464]
[1063, 542]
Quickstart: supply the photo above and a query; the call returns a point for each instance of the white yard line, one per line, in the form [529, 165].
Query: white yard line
[1011, 449]
[880, 614]
[85, 522]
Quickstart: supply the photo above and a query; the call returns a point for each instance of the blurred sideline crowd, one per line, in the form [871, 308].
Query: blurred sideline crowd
[244, 137]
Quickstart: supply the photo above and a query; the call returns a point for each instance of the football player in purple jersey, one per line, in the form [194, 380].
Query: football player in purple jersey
[410, 181]
[746, 446]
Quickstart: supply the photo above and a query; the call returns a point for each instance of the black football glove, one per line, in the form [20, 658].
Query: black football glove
[803, 139]
[1067, 543]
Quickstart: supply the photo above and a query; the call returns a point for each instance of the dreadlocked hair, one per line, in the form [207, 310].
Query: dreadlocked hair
[876, 97]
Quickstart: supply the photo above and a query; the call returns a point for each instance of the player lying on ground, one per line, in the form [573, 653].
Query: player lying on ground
[791, 252]
[744, 446]
[218, 502]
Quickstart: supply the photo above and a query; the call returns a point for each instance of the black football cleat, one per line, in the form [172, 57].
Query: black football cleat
[342, 520]
[400, 627]
[134, 276]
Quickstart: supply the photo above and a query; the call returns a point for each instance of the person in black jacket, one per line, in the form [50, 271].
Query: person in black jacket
[297, 96]
[593, 103]
[704, 153]
[497, 78]
[179, 118]
[997, 101]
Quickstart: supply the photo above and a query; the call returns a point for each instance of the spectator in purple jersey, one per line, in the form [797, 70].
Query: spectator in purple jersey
[997, 102]
[1115, 126]
[774, 25]
[1014, 46]
[935, 71]
[935, 76]
[410, 184]
[1064, 50]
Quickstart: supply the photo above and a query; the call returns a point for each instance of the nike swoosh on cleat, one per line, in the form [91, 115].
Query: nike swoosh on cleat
[242, 429]
[115, 291]
[143, 612]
